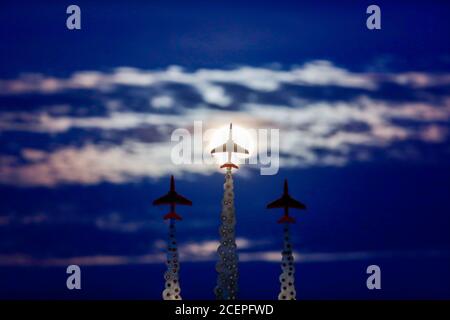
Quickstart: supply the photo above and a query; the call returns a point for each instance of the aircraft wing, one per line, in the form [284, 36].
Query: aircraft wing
[182, 200]
[286, 201]
[172, 198]
[239, 149]
[222, 148]
[279, 203]
[164, 200]
[295, 204]
[236, 149]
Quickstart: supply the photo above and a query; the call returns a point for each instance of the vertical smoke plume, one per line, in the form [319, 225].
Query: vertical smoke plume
[227, 266]
[287, 279]
[172, 285]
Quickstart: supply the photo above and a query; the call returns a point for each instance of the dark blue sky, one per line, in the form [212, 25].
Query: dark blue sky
[204, 34]
[364, 120]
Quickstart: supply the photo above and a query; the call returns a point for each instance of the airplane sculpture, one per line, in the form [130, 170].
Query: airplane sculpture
[172, 289]
[172, 198]
[230, 147]
[286, 202]
[287, 277]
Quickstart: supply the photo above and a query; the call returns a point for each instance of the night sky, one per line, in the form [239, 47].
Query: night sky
[86, 118]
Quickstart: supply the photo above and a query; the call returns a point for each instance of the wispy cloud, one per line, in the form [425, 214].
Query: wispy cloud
[313, 132]
[208, 81]
[29, 219]
[204, 252]
[204, 80]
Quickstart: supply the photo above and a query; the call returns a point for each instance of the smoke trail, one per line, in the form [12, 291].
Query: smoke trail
[172, 286]
[287, 279]
[227, 266]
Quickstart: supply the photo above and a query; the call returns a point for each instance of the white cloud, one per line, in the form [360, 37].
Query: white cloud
[92, 164]
[302, 130]
[205, 81]
[200, 254]
[434, 133]
[314, 73]
[209, 82]
[420, 79]
[162, 102]
[305, 126]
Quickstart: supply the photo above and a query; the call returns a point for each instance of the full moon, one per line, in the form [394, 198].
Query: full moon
[240, 136]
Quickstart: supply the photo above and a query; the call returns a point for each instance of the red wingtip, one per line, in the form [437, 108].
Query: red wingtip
[172, 215]
[286, 219]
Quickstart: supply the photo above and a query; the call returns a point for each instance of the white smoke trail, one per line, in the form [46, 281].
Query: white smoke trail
[227, 266]
[172, 289]
[287, 279]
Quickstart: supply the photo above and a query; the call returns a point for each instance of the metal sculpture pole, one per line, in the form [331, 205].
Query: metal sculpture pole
[227, 266]
[172, 290]
[287, 277]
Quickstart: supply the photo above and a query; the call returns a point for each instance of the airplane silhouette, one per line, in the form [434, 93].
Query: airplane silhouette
[286, 202]
[172, 198]
[230, 147]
